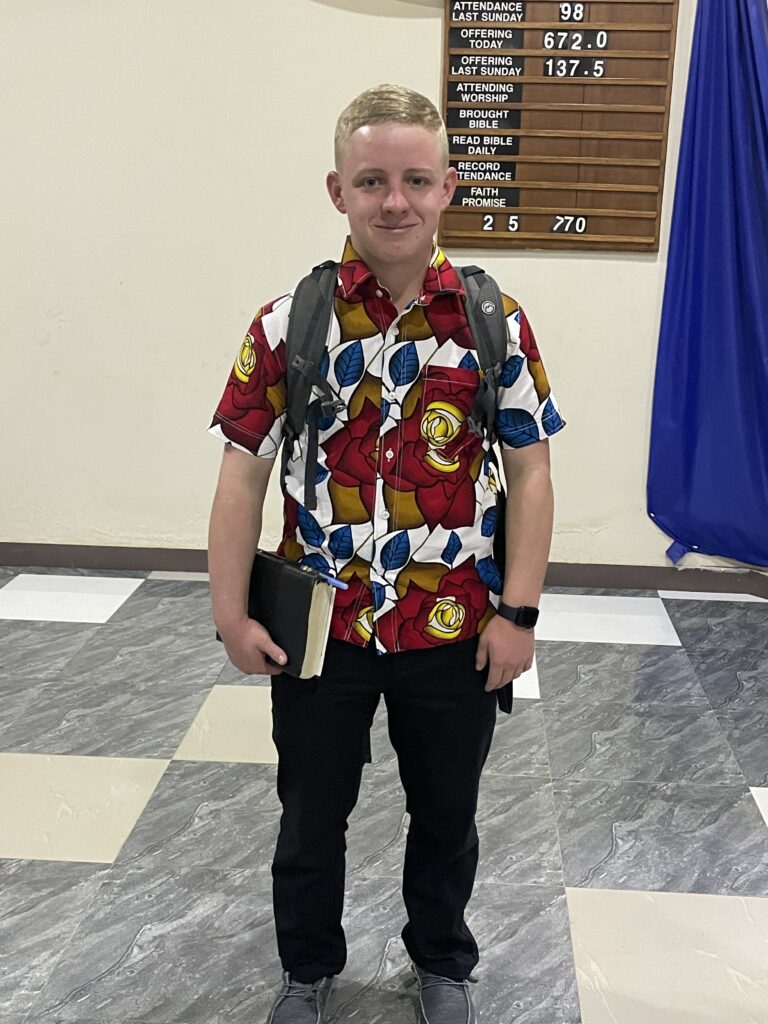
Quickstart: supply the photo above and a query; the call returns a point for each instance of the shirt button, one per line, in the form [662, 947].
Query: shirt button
[390, 454]
[385, 514]
[391, 396]
[379, 293]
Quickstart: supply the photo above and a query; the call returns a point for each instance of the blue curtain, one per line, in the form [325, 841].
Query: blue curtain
[708, 472]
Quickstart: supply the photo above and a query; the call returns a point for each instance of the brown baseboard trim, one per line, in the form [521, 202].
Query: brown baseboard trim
[559, 574]
[75, 556]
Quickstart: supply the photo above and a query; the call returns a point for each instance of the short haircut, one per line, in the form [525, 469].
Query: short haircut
[387, 104]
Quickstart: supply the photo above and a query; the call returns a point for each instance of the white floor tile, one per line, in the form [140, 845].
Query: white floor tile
[585, 618]
[234, 725]
[761, 798]
[669, 958]
[50, 598]
[72, 808]
[693, 595]
[527, 686]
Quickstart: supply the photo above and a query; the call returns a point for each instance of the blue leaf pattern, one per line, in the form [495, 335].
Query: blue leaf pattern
[489, 573]
[350, 365]
[551, 419]
[316, 561]
[469, 362]
[452, 548]
[511, 371]
[379, 595]
[340, 543]
[326, 422]
[325, 363]
[385, 407]
[404, 365]
[488, 527]
[396, 552]
[516, 427]
[322, 474]
[311, 530]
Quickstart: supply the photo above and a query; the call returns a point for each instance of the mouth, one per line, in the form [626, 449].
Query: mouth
[396, 229]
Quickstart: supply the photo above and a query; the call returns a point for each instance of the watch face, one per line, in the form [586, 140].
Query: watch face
[527, 617]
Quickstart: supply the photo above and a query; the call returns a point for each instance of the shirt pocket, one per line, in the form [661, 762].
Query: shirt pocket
[447, 397]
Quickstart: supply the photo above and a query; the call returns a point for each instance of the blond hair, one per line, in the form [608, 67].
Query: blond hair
[386, 104]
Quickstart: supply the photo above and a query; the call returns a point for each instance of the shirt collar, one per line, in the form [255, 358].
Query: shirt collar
[357, 281]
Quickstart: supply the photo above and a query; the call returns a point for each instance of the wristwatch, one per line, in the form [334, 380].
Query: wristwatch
[524, 616]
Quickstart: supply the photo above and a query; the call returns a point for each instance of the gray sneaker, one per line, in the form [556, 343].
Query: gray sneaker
[297, 1003]
[442, 1000]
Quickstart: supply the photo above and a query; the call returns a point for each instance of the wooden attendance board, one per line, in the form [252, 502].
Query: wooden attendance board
[557, 119]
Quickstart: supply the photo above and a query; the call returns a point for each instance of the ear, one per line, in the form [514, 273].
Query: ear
[449, 187]
[333, 184]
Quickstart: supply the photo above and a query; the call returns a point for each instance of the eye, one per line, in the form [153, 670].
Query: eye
[369, 182]
[419, 181]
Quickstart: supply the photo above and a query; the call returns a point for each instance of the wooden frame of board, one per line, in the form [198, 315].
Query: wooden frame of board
[558, 119]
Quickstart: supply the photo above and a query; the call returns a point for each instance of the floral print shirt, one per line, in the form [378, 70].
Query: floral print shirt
[406, 493]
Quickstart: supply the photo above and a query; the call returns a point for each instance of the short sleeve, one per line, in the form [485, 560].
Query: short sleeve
[526, 409]
[251, 411]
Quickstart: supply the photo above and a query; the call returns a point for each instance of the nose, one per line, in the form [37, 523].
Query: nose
[396, 202]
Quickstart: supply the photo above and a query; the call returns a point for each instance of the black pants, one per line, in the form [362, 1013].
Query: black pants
[441, 724]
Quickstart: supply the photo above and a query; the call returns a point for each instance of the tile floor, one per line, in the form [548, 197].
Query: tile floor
[623, 817]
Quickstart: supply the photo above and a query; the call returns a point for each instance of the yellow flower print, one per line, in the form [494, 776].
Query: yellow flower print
[440, 425]
[246, 360]
[363, 625]
[446, 619]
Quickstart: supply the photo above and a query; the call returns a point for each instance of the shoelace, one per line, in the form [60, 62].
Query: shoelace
[434, 980]
[300, 990]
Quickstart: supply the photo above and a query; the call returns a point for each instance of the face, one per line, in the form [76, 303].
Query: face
[393, 186]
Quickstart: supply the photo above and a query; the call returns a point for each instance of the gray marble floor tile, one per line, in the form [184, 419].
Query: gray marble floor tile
[7, 574]
[518, 831]
[222, 816]
[194, 946]
[601, 591]
[78, 716]
[625, 673]
[526, 973]
[519, 742]
[42, 570]
[677, 837]
[41, 905]
[640, 742]
[231, 676]
[733, 680]
[712, 625]
[123, 655]
[40, 650]
[747, 732]
[167, 604]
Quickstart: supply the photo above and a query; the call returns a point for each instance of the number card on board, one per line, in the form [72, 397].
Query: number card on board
[558, 115]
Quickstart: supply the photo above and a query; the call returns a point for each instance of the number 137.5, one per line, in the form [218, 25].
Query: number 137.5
[489, 224]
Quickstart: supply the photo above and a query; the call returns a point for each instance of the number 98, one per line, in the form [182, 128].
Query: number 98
[571, 12]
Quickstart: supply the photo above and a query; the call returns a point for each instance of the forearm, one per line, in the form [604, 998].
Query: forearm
[233, 536]
[528, 524]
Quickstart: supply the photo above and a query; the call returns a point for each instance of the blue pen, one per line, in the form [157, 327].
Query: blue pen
[334, 582]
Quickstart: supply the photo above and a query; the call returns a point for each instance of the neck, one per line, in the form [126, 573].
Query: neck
[403, 281]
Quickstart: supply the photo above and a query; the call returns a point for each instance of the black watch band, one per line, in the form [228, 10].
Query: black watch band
[524, 616]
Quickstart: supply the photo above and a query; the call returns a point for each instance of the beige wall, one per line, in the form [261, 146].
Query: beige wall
[167, 160]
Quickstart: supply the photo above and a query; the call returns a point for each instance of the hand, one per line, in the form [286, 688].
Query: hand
[509, 650]
[248, 644]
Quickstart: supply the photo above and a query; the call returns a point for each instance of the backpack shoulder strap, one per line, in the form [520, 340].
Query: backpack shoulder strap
[305, 344]
[305, 340]
[485, 315]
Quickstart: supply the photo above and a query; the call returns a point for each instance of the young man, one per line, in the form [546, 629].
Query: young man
[405, 495]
